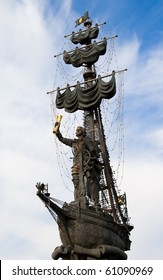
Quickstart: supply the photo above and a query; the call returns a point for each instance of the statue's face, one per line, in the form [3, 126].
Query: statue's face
[79, 131]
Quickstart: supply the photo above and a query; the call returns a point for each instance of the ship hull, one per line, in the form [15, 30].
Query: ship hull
[91, 227]
[90, 235]
[88, 232]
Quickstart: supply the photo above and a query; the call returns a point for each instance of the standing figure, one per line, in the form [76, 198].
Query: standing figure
[86, 167]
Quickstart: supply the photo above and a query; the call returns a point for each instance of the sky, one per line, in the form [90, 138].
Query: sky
[31, 33]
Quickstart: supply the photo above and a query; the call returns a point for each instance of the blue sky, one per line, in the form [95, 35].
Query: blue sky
[143, 18]
[32, 33]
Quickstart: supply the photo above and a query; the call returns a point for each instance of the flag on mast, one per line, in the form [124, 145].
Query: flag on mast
[81, 19]
[122, 199]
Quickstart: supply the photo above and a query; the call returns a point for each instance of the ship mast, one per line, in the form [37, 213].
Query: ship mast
[88, 75]
[93, 123]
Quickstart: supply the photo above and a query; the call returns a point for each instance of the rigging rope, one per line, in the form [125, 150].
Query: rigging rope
[112, 114]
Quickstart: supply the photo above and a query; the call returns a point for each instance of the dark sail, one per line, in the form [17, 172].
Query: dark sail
[85, 98]
[85, 37]
[89, 55]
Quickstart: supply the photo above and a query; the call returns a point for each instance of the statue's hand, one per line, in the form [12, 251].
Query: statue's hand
[56, 128]
[57, 124]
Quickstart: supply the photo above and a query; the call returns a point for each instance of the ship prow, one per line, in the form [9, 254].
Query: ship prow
[87, 230]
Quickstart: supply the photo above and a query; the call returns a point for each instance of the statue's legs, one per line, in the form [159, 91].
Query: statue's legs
[75, 179]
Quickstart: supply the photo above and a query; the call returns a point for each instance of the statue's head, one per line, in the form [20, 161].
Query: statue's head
[80, 131]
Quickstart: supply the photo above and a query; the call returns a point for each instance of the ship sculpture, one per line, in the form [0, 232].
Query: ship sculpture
[95, 224]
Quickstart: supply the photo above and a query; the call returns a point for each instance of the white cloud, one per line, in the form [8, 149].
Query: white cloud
[143, 95]
[145, 68]
[27, 145]
[143, 184]
[143, 147]
[142, 179]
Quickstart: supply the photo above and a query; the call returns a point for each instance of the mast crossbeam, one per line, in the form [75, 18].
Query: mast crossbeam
[82, 31]
[86, 82]
[108, 38]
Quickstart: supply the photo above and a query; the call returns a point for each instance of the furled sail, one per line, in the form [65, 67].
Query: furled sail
[89, 55]
[85, 98]
[85, 37]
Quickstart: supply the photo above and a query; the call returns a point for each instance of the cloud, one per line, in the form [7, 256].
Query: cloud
[27, 144]
[143, 96]
[142, 167]
[142, 180]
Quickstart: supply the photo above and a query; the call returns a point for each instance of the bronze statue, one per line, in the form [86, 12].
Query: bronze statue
[86, 166]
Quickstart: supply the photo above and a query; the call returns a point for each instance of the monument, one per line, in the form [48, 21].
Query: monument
[95, 224]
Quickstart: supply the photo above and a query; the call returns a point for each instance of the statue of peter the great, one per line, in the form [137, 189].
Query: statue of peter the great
[86, 167]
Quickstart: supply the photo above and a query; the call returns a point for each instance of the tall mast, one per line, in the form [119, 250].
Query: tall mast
[89, 74]
[92, 122]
